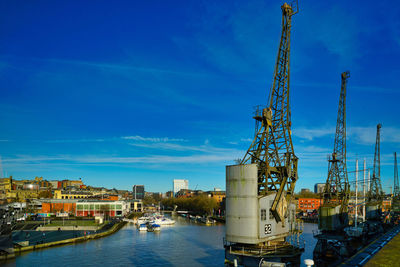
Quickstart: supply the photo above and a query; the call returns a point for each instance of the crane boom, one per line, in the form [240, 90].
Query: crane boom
[272, 147]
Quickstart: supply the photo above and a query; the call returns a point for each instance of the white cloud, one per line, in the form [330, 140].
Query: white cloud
[311, 133]
[246, 140]
[367, 135]
[212, 157]
[153, 139]
[313, 149]
[75, 140]
[118, 66]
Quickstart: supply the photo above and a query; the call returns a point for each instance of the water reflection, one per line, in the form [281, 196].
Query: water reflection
[184, 244]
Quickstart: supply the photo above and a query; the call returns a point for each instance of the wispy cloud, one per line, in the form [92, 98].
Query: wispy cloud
[364, 135]
[75, 140]
[213, 157]
[367, 135]
[119, 66]
[206, 148]
[153, 139]
[311, 133]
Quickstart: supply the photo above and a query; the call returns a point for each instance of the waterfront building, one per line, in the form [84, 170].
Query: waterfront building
[85, 207]
[138, 192]
[101, 208]
[64, 194]
[179, 184]
[136, 205]
[309, 203]
[59, 206]
[319, 188]
[185, 193]
[217, 195]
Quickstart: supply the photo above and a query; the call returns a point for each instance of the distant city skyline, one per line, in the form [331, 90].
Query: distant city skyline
[147, 92]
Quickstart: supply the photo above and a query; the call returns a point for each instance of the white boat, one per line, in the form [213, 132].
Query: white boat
[143, 220]
[164, 221]
[156, 227]
[142, 227]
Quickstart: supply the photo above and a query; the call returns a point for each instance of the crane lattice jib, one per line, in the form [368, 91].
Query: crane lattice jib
[396, 191]
[272, 147]
[337, 189]
[375, 193]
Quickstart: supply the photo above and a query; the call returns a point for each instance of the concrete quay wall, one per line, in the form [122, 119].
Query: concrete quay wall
[19, 250]
[65, 228]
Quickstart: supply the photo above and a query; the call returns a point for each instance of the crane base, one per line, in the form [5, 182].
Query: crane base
[253, 255]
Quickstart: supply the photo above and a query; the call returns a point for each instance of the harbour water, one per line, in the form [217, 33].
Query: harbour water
[184, 244]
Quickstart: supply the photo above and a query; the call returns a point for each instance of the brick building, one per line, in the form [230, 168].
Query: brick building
[309, 203]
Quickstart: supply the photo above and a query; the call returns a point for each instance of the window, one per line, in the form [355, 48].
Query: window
[263, 215]
[91, 206]
[119, 207]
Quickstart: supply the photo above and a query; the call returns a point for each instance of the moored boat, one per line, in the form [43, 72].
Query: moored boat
[142, 227]
[156, 227]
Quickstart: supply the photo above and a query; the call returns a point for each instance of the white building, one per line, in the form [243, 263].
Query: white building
[319, 188]
[179, 184]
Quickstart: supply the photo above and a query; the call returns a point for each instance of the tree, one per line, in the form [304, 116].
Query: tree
[201, 205]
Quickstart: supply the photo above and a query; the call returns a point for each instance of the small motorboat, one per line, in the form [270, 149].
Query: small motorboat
[207, 220]
[164, 221]
[142, 227]
[156, 227]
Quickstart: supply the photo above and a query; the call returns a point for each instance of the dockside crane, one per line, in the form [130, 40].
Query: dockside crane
[259, 213]
[373, 225]
[396, 191]
[272, 147]
[375, 194]
[333, 213]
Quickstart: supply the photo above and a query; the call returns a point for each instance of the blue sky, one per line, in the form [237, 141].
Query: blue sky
[142, 92]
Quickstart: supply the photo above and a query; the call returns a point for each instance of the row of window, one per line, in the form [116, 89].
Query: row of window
[73, 197]
[98, 206]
